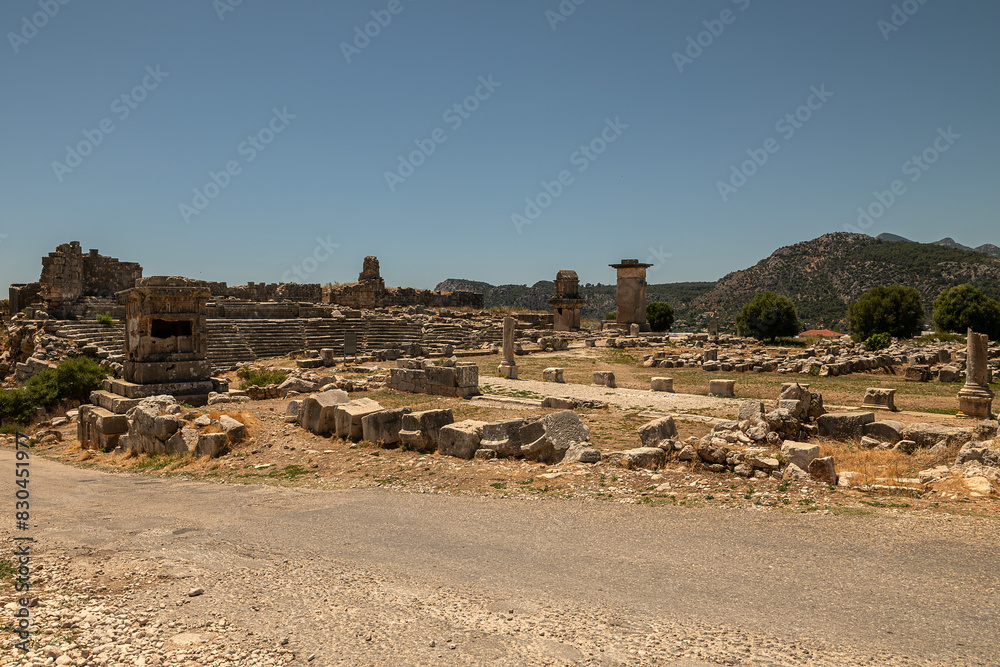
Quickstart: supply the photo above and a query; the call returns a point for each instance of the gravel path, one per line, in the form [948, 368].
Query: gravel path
[379, 577]
[627, 399]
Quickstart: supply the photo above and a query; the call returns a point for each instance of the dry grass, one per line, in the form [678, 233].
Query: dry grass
[880, 466]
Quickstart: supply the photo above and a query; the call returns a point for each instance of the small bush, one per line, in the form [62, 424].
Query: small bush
[73, 379]
[878, 341]
[612, 316]
[660, 316]
[259, 377]
[105, 319]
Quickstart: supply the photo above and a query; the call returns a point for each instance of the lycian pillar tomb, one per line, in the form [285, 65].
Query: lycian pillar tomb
[566, 303]
[631, 299]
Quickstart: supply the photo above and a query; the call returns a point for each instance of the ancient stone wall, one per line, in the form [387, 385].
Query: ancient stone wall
[260, 292]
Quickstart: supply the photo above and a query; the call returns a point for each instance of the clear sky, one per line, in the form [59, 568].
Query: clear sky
[250, 141]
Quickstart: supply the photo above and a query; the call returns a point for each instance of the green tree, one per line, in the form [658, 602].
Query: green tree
[660, 316]
[768, 316]
[893, 309]
[962, 307]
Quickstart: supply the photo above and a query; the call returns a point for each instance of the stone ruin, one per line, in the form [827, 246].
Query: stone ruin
[631, 293]
[76, 285]
[976, 398]
[567, 303]
[370, 292]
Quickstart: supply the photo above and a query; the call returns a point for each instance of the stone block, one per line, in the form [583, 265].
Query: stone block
[428, 424]
[928, 435]
[233, 428]
[581, 453]
[644, 457]
[655, 432]
[467, 375]
[319, 411]
[604, 379]
[884, 431]
[553, 375]
[461, 439]
[823, 470]
[503, 437]
[211, 444]
[559, 402]
[383, 427]
[347, 417]
[723, 388]
[662, 384]
[799, 453]
[844, 425]
[884, 399]
[750, 410]
[917, 373]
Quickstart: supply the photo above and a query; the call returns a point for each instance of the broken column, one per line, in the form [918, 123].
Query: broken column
[567, 302]
[508, 367]
[976, 398]
[631, 295]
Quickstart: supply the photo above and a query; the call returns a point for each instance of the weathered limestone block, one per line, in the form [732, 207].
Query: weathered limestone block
[581, 452]
[553, 375]
[751, 410]
[184, 441]
[503, 437]
[928, 435]
[297, 384]
[560, 402]
[461, 439]
[662, 384]
[604, 379]
[884, 431]
[823, 470]
[211, 444]
[799, 453]
[653, 433]
[644, 457]
[918, 373]
[383, 427]
[348, 417]
[723, 388]
[234, 429]
[319, 411]
[420, 430]
[950, 374]
[876, 397]
[548, 438]
[844, 425]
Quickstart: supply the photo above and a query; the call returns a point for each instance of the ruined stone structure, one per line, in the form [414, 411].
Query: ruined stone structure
[567, 302]
[976, 398]
[300, 292]
[370, 292]
[508, 367]
[74, 285]
[166, 344]
[631, 295]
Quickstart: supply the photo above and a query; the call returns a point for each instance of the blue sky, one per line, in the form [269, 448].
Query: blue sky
[267, 141]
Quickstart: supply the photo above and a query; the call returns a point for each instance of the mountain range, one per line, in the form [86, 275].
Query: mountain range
[821, 276]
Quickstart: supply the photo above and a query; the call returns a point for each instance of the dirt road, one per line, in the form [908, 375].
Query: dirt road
[387, 577]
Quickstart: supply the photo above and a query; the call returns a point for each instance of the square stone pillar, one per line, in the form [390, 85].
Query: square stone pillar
[631, 297]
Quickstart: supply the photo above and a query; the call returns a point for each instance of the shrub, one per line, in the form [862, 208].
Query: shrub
[878, 341]
[895, 310]
[963, 307]
[613, 315]
[73, 378]
[259, 377]
[660, 316]
[105, 319]
[768, 316]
